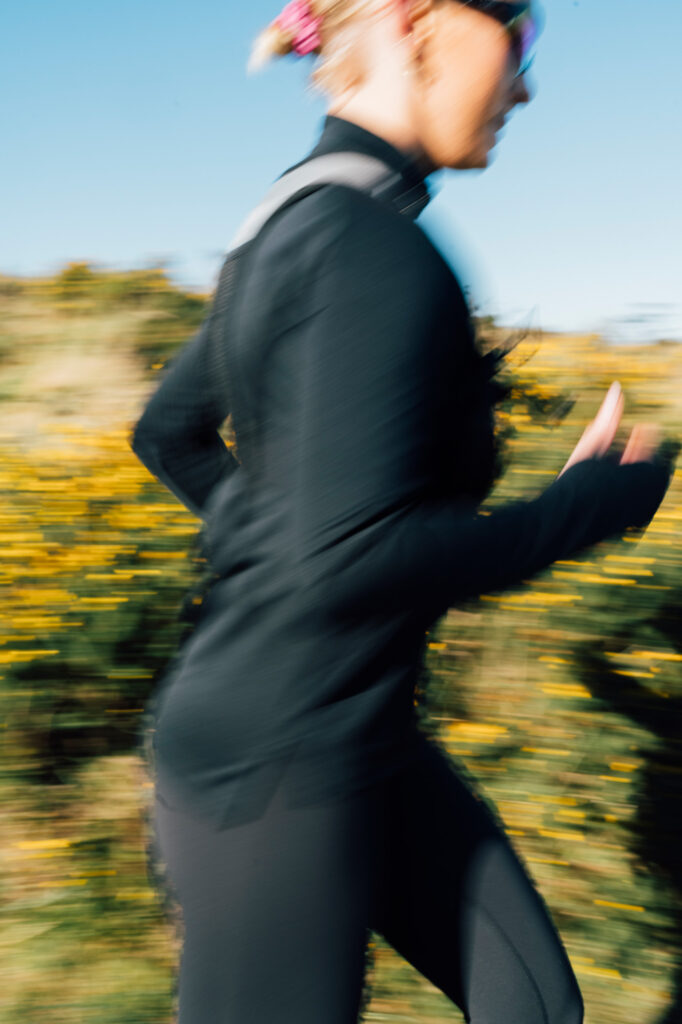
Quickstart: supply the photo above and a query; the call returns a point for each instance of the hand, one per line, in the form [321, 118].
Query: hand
[643, 443]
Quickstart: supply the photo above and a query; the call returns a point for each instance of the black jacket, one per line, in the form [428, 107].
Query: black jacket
[361, 527]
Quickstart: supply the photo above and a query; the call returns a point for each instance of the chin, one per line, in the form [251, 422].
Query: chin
[485, 158]
[472, 162]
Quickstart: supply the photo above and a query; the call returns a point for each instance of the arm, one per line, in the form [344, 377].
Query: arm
[370, 530]
[177, 437]
[593, 500]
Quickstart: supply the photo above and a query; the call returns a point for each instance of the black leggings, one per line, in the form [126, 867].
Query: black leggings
[276, 913]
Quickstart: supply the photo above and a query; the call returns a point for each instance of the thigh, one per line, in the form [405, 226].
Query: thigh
[274, 912]
[455, 901]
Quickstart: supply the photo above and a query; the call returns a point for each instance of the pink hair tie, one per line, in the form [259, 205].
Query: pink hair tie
[298, 18]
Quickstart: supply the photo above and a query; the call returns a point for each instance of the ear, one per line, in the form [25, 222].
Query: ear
[419, 17]
[412, 11]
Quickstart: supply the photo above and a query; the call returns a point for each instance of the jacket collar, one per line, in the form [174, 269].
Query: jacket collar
[407, 190]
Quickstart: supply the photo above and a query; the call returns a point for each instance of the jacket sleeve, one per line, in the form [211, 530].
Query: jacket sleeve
[383, 363]
[177, 437]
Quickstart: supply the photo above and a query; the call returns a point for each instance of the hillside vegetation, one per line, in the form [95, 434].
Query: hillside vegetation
[561, 699]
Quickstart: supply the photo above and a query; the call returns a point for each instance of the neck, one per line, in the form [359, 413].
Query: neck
[379, 121]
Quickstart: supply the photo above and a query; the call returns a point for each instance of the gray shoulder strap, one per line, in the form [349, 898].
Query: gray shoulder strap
[356, 169]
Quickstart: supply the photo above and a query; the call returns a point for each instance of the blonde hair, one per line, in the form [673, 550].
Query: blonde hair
[338, 60]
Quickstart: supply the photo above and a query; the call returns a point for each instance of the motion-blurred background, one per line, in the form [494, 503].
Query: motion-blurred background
[135, 144]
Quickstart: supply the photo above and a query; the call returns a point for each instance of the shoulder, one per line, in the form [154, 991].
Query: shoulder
[343, 231]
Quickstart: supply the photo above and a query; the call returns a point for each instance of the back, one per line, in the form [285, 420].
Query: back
[352, 339]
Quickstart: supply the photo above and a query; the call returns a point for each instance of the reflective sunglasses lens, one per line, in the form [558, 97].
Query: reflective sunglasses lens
[524, 33]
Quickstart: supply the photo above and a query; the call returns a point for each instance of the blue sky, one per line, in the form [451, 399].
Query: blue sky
[133, 134]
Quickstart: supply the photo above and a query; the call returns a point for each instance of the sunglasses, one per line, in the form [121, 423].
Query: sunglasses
[522, 22]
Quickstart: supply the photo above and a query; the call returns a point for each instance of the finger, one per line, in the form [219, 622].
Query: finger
[612, 401]
[600, 432]
[607, 419]
[612, 395]
[642, 442]
[631, 446]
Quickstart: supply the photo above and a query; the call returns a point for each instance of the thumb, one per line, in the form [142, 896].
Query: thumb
[605, 423]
